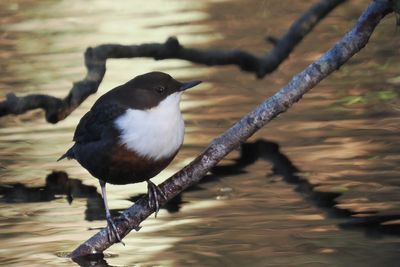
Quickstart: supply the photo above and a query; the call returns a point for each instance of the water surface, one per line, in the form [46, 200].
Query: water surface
[329, 196]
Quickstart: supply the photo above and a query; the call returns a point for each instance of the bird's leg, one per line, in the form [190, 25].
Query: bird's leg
[111, 228]
[153, 192]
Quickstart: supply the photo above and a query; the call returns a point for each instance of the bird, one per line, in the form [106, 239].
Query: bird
[131, 134]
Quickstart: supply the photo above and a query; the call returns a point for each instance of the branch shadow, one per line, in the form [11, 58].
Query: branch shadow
[60, 185]
[373, 224]
[57, 184]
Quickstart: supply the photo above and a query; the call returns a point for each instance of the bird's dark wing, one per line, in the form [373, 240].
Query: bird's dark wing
[96, 121]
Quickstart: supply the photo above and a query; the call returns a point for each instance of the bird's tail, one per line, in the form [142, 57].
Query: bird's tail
[69, 154]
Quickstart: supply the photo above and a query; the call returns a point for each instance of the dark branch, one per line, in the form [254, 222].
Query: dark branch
[351, 43]
[95, 60]
[284, 46]
[19, 105]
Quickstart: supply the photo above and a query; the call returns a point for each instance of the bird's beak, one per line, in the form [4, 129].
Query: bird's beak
[188, 85]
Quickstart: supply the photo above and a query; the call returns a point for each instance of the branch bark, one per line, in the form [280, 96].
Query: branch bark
[301, 83]
[95, 61]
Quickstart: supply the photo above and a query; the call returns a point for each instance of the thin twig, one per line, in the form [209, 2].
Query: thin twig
[95, 60]
[350, 44]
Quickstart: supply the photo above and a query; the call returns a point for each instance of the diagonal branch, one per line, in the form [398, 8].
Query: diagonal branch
[342, 51]
[95, 61]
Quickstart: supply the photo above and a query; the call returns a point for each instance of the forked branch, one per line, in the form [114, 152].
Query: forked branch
[57, 109]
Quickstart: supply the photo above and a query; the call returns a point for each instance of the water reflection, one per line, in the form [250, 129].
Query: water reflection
[257, 209]
[60, 185]
[93, 260]
[371, 222]
[57, 184]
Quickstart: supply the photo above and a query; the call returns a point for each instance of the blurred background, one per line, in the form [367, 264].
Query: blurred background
[318, 186]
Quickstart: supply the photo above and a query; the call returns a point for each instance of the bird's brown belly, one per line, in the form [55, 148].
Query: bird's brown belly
[126, 166]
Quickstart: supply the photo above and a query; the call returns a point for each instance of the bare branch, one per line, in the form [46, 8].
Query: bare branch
[350, 44]
[284, 46]
[19, 105]
[95, 60]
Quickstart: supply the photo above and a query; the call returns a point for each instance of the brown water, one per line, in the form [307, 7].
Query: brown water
[329, 197]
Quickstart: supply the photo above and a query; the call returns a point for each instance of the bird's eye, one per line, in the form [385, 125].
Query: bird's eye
[160, 89]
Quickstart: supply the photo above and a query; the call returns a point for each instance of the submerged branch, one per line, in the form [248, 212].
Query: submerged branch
[95, 60]
[342, 51]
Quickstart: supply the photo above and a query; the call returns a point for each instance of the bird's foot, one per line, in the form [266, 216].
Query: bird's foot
[112, 231]
[154, 191]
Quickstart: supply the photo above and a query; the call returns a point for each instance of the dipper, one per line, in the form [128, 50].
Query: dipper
[131, 134]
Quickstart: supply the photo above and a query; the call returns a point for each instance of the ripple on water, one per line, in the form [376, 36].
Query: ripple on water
[338, 147]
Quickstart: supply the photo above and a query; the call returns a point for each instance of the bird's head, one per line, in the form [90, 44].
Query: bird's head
[154, 87]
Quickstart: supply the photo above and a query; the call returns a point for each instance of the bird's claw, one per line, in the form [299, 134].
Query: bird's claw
[154, 191]
[112, 231]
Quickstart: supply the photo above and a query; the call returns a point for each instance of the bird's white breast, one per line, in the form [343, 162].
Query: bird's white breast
[154, 133]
